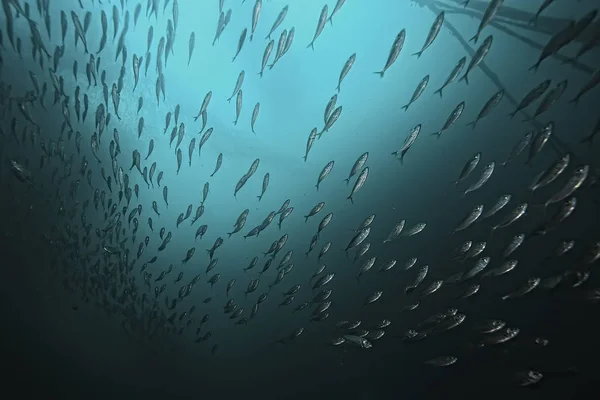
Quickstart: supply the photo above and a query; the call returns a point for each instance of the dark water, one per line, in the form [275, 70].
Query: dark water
[57, 344]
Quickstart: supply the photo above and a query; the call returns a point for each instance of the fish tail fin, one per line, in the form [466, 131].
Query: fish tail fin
[405, 107]
[233, 59]
[418, 54]
[251, 36]
[380, 73]
[439, 91]
[235, 122]
[465, 78]
[330, 20]
[472, 123]
[350, 198]
[475, 38]
[271, 66]
[305, 157]
[317, 186]
[347, 180]
[259, 197]
[438, 134]
[260, 74]
[337, 88]
[512, 114]
[402, 159]
[229, 99]
[311, 45]
[534, 67]
[306, 218]
[394, 153]
[527, 119]
[574, 100]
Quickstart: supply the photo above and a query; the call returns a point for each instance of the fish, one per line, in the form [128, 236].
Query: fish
[485, 176]
[488, 107]
[539, 141]
[460, 65]
[478, 57]
[408, 143]
[336, 8]
[191, 46]
[418, 279]
[418, 92]
[469, 167]
[278, 21]
[488, 16]
[266, 55]
[534, 94]
[516, 214]
[518, 148]
[551, 174]
[502, 201]
[360, 181]
[433, 33]
[255, 15]
[324, 173]
[241, 41]
[452, 118]
[357, 166]
[394, 52]
[345, 69]
[527, 287]
[470, 218]
[320, 26]
[589, 139]
[255, 112]
[575, 181]
[592, 83]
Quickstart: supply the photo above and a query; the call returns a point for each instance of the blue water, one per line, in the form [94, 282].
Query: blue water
[292, 97]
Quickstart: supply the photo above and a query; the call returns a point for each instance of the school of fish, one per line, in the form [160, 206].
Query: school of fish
[160, 295]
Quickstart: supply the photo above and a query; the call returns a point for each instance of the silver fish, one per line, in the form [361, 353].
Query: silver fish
[345, 69]
[408, 142]
[324, 172]
[478, 57]
[452, 118]
[488, 107]
[519, 147]
[360, 181]
[529, 286]
[357, 166]
[469, 167]
[579, 176]
[320, 26]
[485, 176]
[433, 32]
[513, 245]
[517, 213]
[418, 92]
[419, 278]
[255, 16]
[470, 218]
[548, 176]
[453, 74]
[488, 16]
[394, 52]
